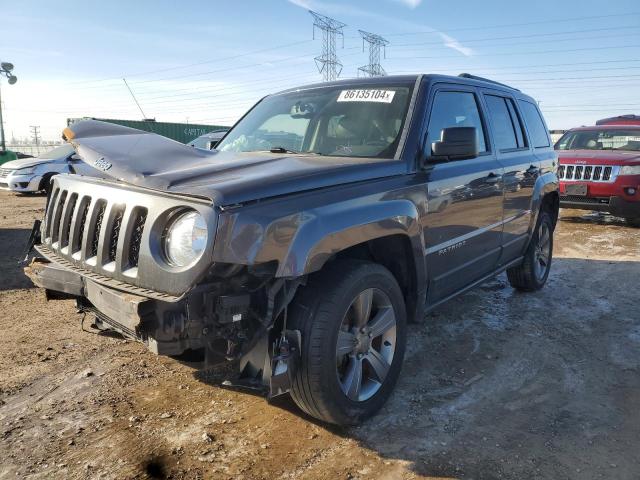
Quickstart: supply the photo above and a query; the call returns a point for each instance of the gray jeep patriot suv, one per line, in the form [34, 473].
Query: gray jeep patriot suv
[326, 219]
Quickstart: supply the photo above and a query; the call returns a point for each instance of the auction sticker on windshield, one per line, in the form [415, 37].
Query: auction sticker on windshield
[380, 96]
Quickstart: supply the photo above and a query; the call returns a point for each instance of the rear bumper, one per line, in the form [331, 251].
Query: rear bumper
[614, 205]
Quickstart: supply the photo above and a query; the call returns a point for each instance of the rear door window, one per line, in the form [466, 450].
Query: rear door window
[503, 129]
[535, 125]
[455, 109]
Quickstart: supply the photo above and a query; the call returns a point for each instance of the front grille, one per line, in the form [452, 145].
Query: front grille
[77, 225]
[589, 200]
[592, 173]
[112, 231]
[4, 172]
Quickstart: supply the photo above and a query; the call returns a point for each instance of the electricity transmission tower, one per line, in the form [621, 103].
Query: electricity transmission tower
[328, 64]
[374, 69]
[35, 131]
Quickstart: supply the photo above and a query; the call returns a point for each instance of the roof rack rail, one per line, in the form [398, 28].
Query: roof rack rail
[482, 79]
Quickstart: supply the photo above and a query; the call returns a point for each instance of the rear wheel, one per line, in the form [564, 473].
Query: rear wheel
[533, 272]
[352, 320]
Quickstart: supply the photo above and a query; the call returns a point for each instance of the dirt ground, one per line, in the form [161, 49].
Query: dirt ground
[496, 384]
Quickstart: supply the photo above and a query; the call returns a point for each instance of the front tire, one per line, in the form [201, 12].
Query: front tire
[45, 183]
[633, 221]
[532, 273]
[352, 319]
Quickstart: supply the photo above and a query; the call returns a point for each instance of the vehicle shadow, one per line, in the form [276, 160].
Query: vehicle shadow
[13, 241]
[503, 384]
[590, 217]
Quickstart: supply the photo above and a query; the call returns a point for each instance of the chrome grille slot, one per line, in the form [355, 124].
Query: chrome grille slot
[118, 213]
[4, 172]
[112, 233]
[596, 173]
[78, 234]
[101, 206]
[55, 227]
[578, 173]
[607, 174]
[587, 172]
[49, 214]
[139, 219]
[67, 216]
[570, 172]
[561, 172]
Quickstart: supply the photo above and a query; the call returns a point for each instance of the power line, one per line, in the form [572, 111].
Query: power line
[519, 53]
[327, 62]
[513, 37]
[376, 42]
[204, 62]
[548, 40]
[220, 70]
[523, 24]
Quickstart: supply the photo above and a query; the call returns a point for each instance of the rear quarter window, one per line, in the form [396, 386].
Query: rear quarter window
[535, 124]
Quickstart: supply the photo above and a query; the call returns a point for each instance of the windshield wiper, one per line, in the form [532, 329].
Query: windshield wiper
[281, 150]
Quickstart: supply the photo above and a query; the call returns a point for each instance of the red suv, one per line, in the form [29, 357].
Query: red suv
[599, 169]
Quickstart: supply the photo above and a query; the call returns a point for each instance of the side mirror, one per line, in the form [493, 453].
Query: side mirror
[211, 144]
[456, 143]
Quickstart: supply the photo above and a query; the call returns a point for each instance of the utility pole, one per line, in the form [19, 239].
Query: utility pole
[35, 131]
[328, 64]
[374, 69]
[3, 145]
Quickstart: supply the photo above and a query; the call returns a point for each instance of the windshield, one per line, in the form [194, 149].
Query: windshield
[600, 140]
[58, 152]
[336, 121]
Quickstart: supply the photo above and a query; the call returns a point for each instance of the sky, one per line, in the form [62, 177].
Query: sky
[208, 62]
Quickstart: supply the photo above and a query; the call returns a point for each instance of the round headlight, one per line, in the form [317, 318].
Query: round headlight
[186, 239]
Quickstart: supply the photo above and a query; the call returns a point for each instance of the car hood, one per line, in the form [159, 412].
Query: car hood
[152, 161]
[601, 157]
[25, 163]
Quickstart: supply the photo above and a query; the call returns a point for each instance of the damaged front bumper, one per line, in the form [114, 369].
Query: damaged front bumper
[133, 316]
[267, 358]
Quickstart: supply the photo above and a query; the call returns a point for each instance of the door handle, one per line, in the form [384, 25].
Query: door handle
[492, 178]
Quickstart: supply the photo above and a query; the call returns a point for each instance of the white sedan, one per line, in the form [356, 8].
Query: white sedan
[29, 175]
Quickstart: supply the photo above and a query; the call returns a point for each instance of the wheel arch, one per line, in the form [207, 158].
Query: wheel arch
[545, 196]
[379, 229]
[46, 177]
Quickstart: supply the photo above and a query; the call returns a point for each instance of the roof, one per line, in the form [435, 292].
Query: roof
[620, 120]
[606, 127]
[411, 79]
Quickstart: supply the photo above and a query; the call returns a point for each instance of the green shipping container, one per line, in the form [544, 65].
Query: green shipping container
[181, 132]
